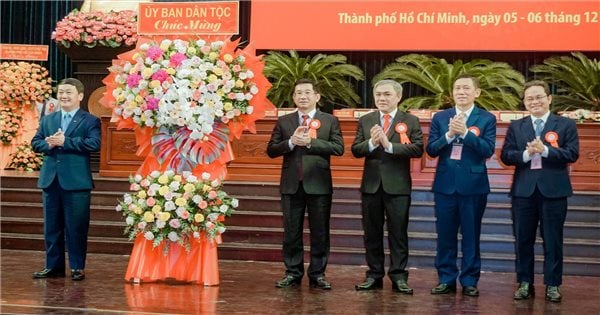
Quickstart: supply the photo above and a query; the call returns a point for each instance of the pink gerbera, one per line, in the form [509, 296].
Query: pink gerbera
[154, 53]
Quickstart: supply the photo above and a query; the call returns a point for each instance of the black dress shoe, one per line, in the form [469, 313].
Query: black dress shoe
[369, 284]
[77, 274]
[524, 292]
[553, 294]
[443, 288]
[401, 286]
[320, 283]
[470, 291]
[288, 281]
[48, 273]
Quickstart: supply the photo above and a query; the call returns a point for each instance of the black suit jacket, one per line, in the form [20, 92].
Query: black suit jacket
[316, 167]
[71, 162]
[553, 179]
[392, 171]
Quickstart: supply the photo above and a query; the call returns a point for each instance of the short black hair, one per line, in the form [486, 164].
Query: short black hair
[307, 81]
[74, 82]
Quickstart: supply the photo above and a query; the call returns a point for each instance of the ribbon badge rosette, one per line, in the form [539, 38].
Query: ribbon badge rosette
[186, 99]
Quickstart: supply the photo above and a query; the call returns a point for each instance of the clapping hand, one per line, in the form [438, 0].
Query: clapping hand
[57, 139]
[301, 137]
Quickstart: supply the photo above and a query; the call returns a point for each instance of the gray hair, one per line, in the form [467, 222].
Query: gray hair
[397, 86]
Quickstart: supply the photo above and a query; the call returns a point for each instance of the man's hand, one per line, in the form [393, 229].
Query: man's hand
[56, 140]
[535, 146]
[301, 137]
[376, 135]
[457, 126]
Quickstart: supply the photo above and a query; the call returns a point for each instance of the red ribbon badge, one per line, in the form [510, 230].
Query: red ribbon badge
[475, 131]
[552, 138]
[401, 129]
[313, 125]
[51, 109]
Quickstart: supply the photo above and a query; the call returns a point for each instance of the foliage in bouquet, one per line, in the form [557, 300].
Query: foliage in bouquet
[24, 159]
[180, 83]
[91, 29]
[10, 123]
[165, 206]
[582, 115]
[24, 83]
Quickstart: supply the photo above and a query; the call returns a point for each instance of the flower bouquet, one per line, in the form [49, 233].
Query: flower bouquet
[10, 123]
[23, 83]
[24, 159]
[165, 206]
[91, 29]
[582, 115]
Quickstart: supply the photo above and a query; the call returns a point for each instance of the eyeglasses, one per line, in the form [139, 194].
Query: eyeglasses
[535, 98]
[305, 93]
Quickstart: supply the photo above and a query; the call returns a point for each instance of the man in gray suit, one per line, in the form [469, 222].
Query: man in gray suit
[387, 138]
[306, 139]
[66, 138]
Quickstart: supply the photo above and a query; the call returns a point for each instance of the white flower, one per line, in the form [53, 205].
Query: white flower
[149, 235]
[223, 208]
[119, 208]
[155, 174]
[205, 176]
[196, 199]
[170, 205]
[160, 224]
[221, 230]
[173, 236]
[235, 202]
[196, 235]
[129, 220]
[138, 178]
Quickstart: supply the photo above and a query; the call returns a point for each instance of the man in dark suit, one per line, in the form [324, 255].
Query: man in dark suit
[462, 138]
[387, 138]
[66, 138]
[540, 146]
[306, 139]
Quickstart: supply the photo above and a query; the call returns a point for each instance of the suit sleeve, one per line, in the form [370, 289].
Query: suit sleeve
[38, 143]
[90, 142]
[277, 145]
[332, 146]
[415, 148]
[484, 144]
[569, 151]
[511, 154]
[360, 146]
[437, 140]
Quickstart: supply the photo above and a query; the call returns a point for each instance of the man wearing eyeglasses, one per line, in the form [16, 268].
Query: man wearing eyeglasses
[540, 146]
[306, 139]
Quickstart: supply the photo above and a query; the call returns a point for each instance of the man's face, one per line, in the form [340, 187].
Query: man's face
[536, 101]
[386, 98]
[68, 97]
[464, 93]
[305, 97]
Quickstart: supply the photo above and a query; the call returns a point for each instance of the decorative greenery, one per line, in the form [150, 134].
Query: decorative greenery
[576, 78]
[500, 84]
[330, 72]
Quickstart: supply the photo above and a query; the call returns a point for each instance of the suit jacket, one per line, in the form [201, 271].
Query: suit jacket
[467, 176]
[392, 171]
[71, 162]
[316, 169]
[553, 179]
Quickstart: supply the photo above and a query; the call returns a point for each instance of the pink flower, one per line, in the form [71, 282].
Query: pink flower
[203, 204]
[150, 202]
[154, 53]
[133, 80]
[185, 215]
[212, 194]
[174, 223]
[160, 75]
[176, 59]
[152, 103]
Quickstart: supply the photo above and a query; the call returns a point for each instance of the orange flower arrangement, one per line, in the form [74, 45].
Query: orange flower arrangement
[24, 159]
[91, 29]
[23, 83]
[10, 123]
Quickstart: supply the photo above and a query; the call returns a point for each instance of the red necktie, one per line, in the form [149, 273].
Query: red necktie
[386, 122]
[304, 120]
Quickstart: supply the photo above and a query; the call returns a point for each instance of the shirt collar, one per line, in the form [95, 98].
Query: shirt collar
[72, 113]
[544, 118]
[467, 112]
[392, 114]
[310, 114]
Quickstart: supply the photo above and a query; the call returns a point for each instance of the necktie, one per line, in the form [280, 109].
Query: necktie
[539, 126]
[386, 122]
[65, 122]
[304, 120]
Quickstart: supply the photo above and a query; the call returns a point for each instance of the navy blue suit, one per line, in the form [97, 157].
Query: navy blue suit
[540, 195]
[66, 180]
[460, 190]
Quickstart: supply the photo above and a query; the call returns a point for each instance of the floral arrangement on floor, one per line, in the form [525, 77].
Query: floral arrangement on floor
[24, 159]
[194, 95]
[10, 123]
[91, 29]
[168, 206]
[582, 115]
[23, 83]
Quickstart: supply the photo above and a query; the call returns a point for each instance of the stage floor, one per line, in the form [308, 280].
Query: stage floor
[247, 287]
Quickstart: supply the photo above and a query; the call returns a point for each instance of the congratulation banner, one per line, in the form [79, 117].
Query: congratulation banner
[427, 25]
[189, 18]
[24, 52]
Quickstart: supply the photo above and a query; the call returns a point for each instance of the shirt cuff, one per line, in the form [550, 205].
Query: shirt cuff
[390, 148]
[371, 145]
[545, 152]
[526, 156]
[291, 145]
[449, 139]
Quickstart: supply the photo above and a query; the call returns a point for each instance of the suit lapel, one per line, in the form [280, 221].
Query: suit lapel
[54, 121]
[527, 128]
[397, 119]
[75, 121]
[473, 117]
[550, 124]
